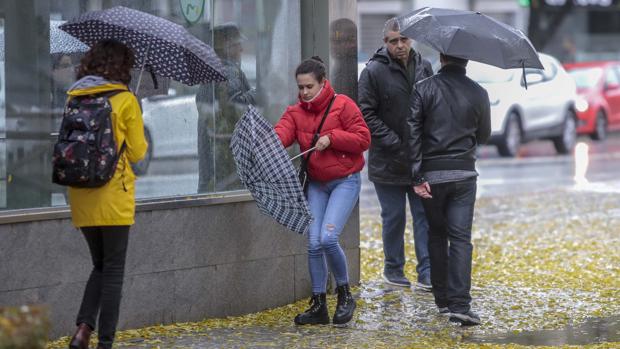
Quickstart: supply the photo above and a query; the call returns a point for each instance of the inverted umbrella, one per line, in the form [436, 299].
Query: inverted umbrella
[267, 172]
[470, 35]
[165, 47]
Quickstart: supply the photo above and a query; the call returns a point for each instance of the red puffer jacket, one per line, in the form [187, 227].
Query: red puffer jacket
[349, 136]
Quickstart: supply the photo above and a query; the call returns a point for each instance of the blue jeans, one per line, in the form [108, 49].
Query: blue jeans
[394, 216]
[450, 214]
[331, 204]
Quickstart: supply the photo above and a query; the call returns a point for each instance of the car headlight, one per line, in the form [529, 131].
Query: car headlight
[581, 104]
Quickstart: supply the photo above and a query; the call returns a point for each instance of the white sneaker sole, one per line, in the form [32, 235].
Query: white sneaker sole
[387, 281]
[423, 287]
[444, 313]
[464, 319]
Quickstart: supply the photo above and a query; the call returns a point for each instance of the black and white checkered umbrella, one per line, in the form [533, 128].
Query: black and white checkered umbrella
[166, 47]
[267, 172]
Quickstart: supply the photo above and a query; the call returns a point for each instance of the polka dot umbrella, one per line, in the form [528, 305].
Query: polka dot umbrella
[167, 48]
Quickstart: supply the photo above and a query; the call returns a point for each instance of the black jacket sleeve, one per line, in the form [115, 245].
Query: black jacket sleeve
[369, 99]
[415, 123]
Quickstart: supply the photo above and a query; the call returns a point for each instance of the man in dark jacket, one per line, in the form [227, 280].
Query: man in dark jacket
[385, 88]
[450, 116]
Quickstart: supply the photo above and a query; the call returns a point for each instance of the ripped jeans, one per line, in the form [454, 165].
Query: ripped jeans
[331, 204]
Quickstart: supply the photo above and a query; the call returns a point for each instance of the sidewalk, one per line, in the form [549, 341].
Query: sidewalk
[541, 261]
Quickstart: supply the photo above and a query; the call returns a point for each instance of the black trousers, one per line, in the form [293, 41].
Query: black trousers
[102, 296]
[450, 214]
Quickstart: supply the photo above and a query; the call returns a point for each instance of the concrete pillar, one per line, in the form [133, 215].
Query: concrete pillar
[329, 30]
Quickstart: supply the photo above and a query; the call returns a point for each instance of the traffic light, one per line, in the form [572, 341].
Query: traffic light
[524, 3]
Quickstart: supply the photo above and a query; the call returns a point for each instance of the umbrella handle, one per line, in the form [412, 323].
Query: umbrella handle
[300, 154]
[142, 68]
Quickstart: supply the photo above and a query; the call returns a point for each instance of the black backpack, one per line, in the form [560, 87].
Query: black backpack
[85, 154]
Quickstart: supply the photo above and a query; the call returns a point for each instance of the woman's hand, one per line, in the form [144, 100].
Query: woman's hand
[323, 143]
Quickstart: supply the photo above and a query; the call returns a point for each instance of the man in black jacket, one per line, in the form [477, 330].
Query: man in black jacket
[384, 94]
[450, 117]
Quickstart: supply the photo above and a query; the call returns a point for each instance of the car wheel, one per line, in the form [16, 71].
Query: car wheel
[565, 143]
[600, 127]
[511, 139]
[141, 167]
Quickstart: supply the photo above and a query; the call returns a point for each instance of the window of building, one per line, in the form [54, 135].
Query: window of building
[188, 127]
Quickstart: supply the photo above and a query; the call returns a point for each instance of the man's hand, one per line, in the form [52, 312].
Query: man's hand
[322, 143]
[423, 190]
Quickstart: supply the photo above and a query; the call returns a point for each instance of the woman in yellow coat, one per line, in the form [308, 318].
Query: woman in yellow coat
[105, 214]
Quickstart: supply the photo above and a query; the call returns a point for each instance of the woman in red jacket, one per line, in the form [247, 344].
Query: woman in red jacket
[334, 187]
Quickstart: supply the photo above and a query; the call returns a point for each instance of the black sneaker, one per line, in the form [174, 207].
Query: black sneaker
[465, 319]
[317, 314]
[396, 280]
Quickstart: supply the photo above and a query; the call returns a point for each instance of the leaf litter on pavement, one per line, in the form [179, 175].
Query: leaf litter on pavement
[541, 261]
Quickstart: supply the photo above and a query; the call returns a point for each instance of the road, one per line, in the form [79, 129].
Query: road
[537, 168]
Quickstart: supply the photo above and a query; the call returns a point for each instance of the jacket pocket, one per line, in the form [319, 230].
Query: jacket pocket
[344, 159]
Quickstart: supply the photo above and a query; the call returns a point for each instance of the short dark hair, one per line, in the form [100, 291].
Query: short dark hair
[313, 65]
[110, 59]
[454, 60]
[391, 25]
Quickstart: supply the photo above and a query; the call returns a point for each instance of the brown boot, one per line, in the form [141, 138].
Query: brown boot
[81, 337]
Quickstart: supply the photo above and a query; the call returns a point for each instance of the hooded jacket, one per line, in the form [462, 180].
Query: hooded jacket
[113, 203]
[348, 134]
[384, 94]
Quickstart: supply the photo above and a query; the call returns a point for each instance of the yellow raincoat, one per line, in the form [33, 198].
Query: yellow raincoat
[114, 203]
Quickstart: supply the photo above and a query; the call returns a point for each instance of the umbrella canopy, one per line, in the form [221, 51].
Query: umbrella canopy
[165, 47]
[267, 172]
[61, 42]
[470, 35]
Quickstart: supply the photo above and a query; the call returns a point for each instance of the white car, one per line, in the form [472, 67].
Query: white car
[170, 128]
[545, 110]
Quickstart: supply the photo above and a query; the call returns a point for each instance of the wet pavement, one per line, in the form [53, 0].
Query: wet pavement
[546, 271]
[594, 330]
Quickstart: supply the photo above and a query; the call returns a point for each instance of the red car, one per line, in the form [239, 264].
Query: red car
[598, 104]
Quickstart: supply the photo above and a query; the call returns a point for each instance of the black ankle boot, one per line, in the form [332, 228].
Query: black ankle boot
[316, 314]
[346, 305]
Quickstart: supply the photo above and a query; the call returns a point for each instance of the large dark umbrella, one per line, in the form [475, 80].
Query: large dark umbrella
[470, 35]
[166, 48]
[267, 172]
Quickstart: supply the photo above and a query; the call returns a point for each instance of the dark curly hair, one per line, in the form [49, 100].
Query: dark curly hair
[110, 59]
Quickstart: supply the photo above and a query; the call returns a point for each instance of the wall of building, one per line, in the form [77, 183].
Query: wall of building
[183, 264]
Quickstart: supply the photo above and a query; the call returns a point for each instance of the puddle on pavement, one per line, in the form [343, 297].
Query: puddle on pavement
[595, 330]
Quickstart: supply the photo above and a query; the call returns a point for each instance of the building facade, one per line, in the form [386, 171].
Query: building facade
[576, 31]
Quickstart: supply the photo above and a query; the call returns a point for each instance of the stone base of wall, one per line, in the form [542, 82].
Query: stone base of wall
[183, 264]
